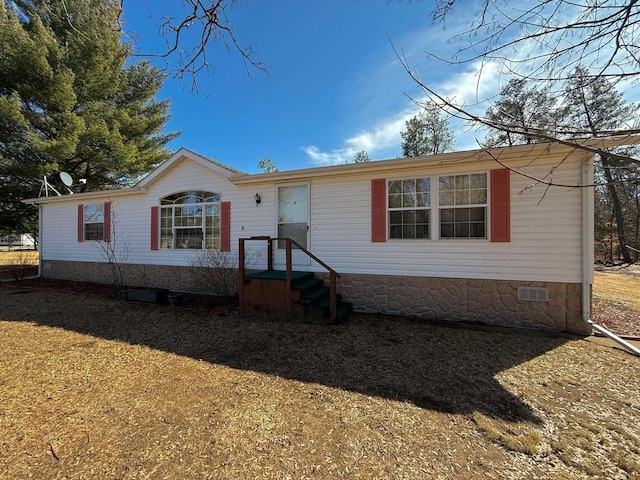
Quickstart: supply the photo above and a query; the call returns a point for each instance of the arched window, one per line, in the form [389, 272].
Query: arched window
[190, 219]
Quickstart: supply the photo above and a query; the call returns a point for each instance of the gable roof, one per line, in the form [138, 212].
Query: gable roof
[153, 176]
[182, 154]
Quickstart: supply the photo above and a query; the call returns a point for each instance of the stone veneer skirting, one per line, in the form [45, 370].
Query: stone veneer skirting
[488, 301]
[135, 275]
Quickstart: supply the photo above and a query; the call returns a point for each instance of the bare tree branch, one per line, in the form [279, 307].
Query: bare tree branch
[553, 37]
[186, 56]
[461, 113]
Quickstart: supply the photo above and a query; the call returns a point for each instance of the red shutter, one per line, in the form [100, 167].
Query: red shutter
[379, 210]
[106, 225]
[81, 223]
[225, 226]
[155, 231]
[500, 206]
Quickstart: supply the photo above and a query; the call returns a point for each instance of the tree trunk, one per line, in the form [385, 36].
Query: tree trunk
[617, 209]
[636, 237]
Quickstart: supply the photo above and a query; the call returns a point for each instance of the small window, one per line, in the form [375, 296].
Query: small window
[463, 206]
[190, 220]
[93, 220]
[409, 207]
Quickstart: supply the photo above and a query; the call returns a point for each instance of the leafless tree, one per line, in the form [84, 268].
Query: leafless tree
[115, 251]
[189, 37]
[543, 42]
[558, 49]
[216, 272]
[552, 37]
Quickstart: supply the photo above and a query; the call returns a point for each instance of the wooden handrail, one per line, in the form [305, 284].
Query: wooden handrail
[300, 247]
[289, 271]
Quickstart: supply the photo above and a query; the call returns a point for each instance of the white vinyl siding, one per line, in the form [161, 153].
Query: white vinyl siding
[545, 231]
[131, 219]
[545, 225]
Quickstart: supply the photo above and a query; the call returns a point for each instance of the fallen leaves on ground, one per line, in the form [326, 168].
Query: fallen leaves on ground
[93, 387]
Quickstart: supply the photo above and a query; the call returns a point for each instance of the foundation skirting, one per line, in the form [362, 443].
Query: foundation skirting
[493, 302]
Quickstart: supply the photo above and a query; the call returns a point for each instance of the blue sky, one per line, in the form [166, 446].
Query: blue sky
[334, 86]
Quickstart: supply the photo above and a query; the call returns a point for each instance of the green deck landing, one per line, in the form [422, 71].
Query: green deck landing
[278, 275]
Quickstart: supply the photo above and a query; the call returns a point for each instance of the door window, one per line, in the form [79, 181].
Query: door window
[293, 212]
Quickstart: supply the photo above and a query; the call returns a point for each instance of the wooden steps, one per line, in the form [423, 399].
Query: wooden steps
[266, 290]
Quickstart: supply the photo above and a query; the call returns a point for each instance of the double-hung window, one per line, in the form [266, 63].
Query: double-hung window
[462, 201]
[93, 221]
[190, 220]
[409, 207]
[457, 206]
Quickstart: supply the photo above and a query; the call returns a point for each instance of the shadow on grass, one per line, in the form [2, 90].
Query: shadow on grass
[434, 367]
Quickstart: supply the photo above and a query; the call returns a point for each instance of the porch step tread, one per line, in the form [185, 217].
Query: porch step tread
[279, 275]
[306, 285]
[317, 294]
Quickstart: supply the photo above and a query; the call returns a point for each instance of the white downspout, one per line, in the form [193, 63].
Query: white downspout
[40, 230]
[588, 256]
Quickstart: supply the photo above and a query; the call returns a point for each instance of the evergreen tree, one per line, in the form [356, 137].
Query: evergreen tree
[595, 105]
[521, 114]
[427, 133]
[589, 105]
[71, 101]
[361, 157]
[266, 165]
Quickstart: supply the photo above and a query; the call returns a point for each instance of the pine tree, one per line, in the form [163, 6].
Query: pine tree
[361, 157]
[521, 114]
[70, 100]
[595, 105]
[266, 165]
[427, 133]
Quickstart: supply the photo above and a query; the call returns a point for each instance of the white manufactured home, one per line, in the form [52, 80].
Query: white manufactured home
[471, 235]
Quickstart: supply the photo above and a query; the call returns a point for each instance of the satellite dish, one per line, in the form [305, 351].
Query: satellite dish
[66, 179]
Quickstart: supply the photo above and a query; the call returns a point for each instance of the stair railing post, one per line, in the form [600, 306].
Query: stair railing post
[241, 275]
[270, 254]
[332, 296]
[289, 278]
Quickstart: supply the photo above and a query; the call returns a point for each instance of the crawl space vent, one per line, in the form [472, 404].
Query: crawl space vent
[533, 294]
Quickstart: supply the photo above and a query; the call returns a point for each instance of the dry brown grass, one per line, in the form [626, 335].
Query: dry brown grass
[8, 257]
[18, 263]
[618, 286]
[616, 299]
[92, 387]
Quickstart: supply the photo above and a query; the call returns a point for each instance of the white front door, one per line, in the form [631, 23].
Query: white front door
[292, 219]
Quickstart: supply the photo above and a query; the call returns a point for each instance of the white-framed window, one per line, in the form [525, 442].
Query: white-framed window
[409, 208]
[93, 221]
[462, 205]
[190, 219]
